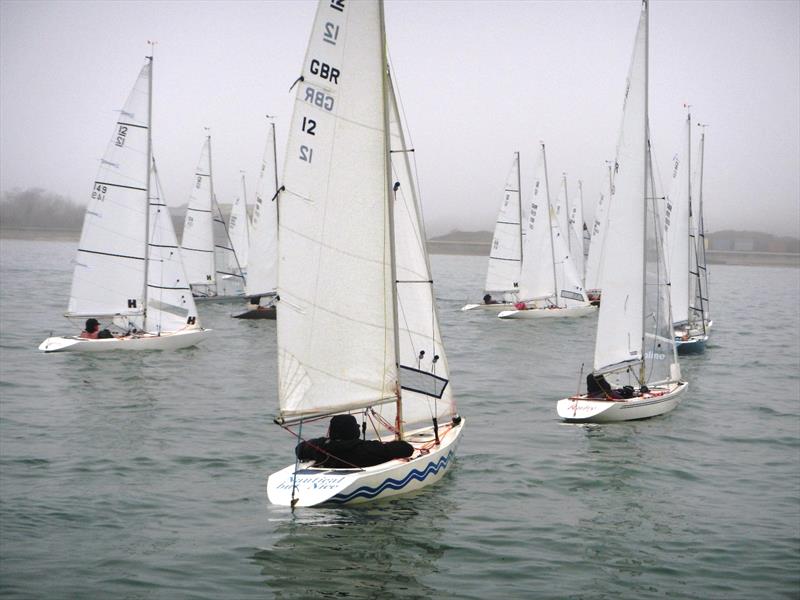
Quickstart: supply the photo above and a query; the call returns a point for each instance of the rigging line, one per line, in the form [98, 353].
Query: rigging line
[111, 254]
[119, 185]
[131, 124]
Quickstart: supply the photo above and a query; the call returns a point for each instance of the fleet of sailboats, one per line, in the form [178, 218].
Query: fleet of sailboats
[357, 324]
[128, 271]
[211, 263]
[549, 282]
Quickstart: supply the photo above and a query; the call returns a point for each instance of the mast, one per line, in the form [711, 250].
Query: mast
[700, 242]
[275, 169]
[646, 150]
[519, 207]
[566, 214]
[387, 162]
[691, 239]
[147, 185]
[213, 203]
[550, 223]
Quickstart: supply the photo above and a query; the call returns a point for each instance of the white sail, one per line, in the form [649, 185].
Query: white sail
[170, 305]
[635, 322]
[548, 271]
[576, 228]
[110, 266]
[561, 205]
[239, 227]
[537, 279]
[619, 326]
[262, 271]
[424, 374]
[595, 260]
[505, 256]
[336, 314]
[197, 243]
[677, 230]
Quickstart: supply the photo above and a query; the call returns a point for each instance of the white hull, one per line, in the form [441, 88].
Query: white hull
[549, 313]
[489, 307]
[166, 341]
[317, 486]
[660, 400]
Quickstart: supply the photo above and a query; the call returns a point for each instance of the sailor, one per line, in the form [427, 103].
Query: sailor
[342, 448]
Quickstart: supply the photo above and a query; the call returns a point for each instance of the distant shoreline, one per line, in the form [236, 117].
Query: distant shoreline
[715, 257]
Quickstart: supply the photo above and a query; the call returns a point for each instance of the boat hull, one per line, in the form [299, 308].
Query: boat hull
[549, 313]
[166, 341]
[489, 307]
[660, 400]
[257, 313]
[692, 345]
[220, 299]
[331, 487]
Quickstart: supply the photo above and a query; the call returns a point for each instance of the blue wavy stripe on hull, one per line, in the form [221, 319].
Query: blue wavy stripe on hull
[394, 484]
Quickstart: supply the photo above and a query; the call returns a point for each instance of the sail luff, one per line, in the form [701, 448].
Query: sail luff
[519, 205]
[550, 222]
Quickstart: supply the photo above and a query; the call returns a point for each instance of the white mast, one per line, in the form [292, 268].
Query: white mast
[644, 194]
[147, 184]
[550, 222]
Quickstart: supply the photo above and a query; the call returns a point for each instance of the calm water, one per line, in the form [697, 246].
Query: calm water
[144, 476]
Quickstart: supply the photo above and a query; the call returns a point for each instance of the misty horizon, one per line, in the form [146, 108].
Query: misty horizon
[503, 76]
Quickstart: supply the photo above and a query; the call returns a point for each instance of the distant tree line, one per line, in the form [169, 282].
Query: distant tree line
[36, 208]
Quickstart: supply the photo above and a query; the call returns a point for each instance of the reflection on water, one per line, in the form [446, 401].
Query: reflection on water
[383, 549]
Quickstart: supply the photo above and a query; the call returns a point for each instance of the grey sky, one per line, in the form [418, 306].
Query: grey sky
[478, 81]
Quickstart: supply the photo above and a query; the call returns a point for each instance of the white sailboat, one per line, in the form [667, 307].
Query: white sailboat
[549, 282]
[576, 230]
[239, 228]
[128, 270]
[211, 264]
[505, 256]
[262, 276]
[357, 324]
[636, 374]
[681, 236]
[595, 260]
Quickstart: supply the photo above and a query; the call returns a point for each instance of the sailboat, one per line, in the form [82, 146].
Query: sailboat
[576, 230]
[505, 256]
[211, 263]
[239, 228]
[128, 271]
[357, 325]
[636, 374]
[549, 282]
[262, 277]
[680, 228]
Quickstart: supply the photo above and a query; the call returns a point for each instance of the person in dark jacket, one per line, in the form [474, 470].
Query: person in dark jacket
[343, 449]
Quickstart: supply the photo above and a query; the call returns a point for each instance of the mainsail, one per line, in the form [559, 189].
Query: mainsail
[110, 266]
[595, 260]
[262, 272]
[505, 256]
[197, 242]
[239, 227]
[336, 314]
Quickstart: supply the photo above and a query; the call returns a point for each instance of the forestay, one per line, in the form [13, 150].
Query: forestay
[262, 272]
[505, 256]
[110, 266]
[336, 340]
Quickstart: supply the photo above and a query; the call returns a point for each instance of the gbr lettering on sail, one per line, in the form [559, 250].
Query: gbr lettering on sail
[321, 67]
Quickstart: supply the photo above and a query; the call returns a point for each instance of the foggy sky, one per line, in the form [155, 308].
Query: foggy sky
[478, 81]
